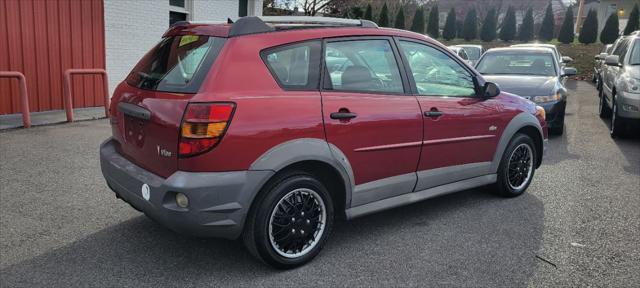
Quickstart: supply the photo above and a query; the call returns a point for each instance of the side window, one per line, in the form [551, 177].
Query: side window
[295, 66]
[362, 65]
[435, 73]
[621, 48]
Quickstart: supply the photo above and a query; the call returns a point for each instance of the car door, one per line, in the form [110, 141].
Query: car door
[460, 129]
[613, 71]
[370, 116]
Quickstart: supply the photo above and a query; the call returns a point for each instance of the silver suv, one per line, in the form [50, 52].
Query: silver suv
[620, 93]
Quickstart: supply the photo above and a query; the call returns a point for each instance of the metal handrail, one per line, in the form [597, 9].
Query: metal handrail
[24, 96]
[67, 89]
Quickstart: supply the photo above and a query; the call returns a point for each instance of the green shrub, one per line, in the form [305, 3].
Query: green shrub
[589, 31]
[548, 25]
[383, 19]
[368, 13]
[449, 31]
[470, 29]
[566, 35]
[418, 21]
[611, 29]
[433, 27]
[526, 28]
[508, 31]
[399, 22]
[633, 23]
[488, 30]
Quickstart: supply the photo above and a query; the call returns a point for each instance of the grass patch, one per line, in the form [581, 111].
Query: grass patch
[582, 54]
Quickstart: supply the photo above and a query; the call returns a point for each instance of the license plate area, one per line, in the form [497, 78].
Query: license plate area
[134, 130]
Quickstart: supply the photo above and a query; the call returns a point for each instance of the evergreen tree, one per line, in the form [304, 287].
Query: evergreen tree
[589, 31]
[449, 31]
[399, 22]
[383, 19]
[433, 27]
[368, 14]
[418, 21]
[356, 12]
[566, 35]
[526, 28]
[611, 29]
[459, 26]
[548, 26]
[508, 31]
[470, 29]
[488, 30]
[633, 23]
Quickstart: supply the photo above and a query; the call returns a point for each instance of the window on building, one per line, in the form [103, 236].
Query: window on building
[179, 10]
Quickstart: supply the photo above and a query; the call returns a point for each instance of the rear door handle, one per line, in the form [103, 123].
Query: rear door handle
[432, 113]
[343, 115]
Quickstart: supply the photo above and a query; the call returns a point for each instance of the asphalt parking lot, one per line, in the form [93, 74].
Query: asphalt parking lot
[577, 225]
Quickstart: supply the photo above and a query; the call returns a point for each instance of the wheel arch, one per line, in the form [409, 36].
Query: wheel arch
[525, 123]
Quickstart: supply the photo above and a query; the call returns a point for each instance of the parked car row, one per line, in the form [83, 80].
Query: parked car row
[263, 131]
[534, 71]
[617, 76]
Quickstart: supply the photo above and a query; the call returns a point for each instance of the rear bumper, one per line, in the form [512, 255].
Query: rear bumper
[218, 201]
[628, 105]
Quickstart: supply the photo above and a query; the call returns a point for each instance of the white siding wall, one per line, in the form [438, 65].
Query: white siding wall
[134, 27]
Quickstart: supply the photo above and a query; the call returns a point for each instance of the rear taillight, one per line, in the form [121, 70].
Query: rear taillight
[203, 126]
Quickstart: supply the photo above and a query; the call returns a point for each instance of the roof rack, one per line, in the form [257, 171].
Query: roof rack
[260, 24]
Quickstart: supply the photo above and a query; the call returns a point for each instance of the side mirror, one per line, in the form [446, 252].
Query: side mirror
[612, 60]
[603, 55]
[490, 90]
[569, 71]
[566, 59]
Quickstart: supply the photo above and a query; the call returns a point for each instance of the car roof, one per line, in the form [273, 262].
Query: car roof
[535, 45]
[468, 46]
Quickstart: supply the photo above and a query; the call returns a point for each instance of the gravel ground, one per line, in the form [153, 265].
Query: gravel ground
[578, 224]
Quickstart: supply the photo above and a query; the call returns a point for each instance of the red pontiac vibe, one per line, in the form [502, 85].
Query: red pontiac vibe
[268, 128]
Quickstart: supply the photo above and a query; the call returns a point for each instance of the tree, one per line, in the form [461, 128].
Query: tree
[399, 22]
[470, 29]
[566, 34]
[488, 30]
[312, 7]
[368, 13]
[633, 23]
[610, 30]
[459, 26]
[383, 19]
[508, 30]
[548, 26]
[433, 27]
[526, 28]
[589, 31]
[449, 31]
[418, 21]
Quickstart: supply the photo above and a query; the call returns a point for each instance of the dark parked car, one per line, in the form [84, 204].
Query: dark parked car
[245, 130]
[599, 64]
[620, 92]
[532, 73]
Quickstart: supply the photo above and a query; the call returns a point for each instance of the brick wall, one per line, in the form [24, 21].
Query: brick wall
[134, 27]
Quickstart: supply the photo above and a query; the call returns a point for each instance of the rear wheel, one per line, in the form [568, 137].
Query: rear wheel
[517, 166]
[291, 222]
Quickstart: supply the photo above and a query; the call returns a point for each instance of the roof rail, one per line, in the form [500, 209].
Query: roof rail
[260, 24]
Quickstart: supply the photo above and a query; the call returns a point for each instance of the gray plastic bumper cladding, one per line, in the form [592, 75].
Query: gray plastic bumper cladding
[218, 201]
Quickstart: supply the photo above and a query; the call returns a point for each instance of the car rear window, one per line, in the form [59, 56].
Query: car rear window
[176, 64]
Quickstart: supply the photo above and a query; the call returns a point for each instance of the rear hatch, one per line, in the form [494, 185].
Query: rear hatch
[148, 107]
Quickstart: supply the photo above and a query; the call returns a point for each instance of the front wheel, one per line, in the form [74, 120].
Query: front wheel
[291, 221]
[516, 167]
[603, 109]
[617, 125]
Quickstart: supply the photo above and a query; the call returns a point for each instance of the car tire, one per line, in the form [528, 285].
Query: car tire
[557, 130]
[603, 109]
[275, 227]
[617, 122]
[517, 166]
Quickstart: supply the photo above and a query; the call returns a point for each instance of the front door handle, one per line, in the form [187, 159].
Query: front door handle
[433, 113]
[343, 115]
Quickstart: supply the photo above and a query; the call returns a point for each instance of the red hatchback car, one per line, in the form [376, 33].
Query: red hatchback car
[270, 127]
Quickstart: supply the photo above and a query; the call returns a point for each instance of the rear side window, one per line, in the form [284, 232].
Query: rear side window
[295, 66]
[362, 65]
[177, 64]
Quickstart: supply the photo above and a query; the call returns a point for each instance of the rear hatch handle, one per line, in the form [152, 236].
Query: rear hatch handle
[134, 111]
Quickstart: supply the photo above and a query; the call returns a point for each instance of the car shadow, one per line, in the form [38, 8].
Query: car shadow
[471, 238]
[628, 144]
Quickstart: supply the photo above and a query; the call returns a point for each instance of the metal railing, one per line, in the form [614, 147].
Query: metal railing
[68, 103]
[24, 96]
